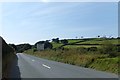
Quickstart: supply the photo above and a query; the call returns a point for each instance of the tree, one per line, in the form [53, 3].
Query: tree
[23, 47]
[48, 45]
[76, 37]
[64, 41]
[55, 40]
[98, 36]
[104, 37]
[118, 37]
[81, 37]
[109, 48]
[13, 46]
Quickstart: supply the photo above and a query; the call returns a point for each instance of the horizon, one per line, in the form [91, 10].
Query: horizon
[108, 37]
[32, 22]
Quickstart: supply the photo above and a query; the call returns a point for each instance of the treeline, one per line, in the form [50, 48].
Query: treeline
[47, 44]
[56, 40]
[8, 54]
[21, 47]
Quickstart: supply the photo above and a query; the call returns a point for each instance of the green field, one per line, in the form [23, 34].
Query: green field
[99, 41]
[77, 43]
[107, 64]
[74, 40]
[79, 46]
[56, 45]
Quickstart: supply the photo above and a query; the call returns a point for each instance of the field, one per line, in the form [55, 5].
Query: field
[90, 54]
[78, 46]
[56, 45]
[92, 42]
[99, 41]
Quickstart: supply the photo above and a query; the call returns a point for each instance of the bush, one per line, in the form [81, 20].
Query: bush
[109, 48]
[22, 47]
[55, 40]
[48, 45]
[82, 50]
[92, 49]
[118, 48]
[34, 49]
[64, 41]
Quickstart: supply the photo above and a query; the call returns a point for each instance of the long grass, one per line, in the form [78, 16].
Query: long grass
[107, 64]
[104, 58]
[89, 59]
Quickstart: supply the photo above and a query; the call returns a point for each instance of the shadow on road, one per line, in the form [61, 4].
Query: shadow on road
[14, 70]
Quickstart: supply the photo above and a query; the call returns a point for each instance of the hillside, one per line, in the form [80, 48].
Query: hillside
[96, 53]
[90, 42]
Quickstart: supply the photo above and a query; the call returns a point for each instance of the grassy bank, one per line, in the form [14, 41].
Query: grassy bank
[107, 64]
[101, 57]
[88, 60]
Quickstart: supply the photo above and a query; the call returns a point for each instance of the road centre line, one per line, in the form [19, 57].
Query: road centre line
[33, 60]
[46, 66]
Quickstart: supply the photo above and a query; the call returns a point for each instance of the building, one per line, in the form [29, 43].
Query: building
[40, 46]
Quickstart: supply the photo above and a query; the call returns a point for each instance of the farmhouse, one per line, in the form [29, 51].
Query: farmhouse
[42, 45]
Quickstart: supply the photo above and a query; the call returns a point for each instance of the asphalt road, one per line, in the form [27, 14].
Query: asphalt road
[27, 66]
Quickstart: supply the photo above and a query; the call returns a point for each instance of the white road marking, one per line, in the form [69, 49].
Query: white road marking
[33, 60]
[46, 66]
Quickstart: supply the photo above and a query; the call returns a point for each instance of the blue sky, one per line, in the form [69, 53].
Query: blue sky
[33, 21]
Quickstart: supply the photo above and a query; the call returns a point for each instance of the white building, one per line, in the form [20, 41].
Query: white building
[40, 46]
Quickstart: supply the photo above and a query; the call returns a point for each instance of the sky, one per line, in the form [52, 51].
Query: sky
[29, 22]
[59, 0]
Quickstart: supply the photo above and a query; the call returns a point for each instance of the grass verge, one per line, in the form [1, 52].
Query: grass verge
[89, 59]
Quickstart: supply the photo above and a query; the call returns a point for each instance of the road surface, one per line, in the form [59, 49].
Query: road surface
[27, 66]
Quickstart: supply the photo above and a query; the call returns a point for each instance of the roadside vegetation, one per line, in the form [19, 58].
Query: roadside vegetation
[96, 53]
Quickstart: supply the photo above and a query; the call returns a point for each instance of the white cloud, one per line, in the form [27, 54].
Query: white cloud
[45, 0]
